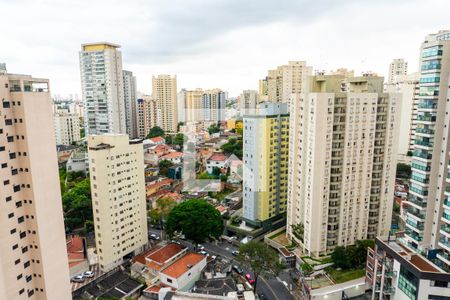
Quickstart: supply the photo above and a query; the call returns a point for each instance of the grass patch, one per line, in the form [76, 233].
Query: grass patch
[340, 276]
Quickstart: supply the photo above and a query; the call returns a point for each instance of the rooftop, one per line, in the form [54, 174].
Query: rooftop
[155, 259]
[218, 157]
[172, 155]
[157, 139]
[183, 264]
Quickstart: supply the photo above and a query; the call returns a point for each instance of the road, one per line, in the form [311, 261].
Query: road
[272, 288]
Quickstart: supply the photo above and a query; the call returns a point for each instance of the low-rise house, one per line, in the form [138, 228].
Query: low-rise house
[217, 160]
[64, 152]
[215, 286]
[163, 256]
[175, 172]
[156, 187]
[173, 157]
[78, 162]
[287, 257]
[158, 140]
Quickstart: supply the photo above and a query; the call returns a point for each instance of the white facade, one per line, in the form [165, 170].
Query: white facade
[248, 100]
[398, 67]
[33, 256]
[102, 87]
[342, 162]
[129, 95]
[67, 127]
[164, 92]
[187, 278]
[116, 167]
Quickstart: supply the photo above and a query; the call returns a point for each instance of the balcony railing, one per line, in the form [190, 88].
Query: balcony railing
[425, 130]
[418, 226]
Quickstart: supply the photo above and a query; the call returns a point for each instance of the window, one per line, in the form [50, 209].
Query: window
[26, 265]
[169, 280]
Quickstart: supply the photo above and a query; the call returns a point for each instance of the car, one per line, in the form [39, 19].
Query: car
[203, 252]
[78, 278]
[154, 237]
[89, 274]
[249, 278]
[238, 269]
[200, 247]
[235, 252]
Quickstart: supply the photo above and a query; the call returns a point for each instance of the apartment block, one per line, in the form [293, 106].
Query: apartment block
[398, 67]
[194, 105]
[33, 257]
[165, 95]
[129, 97]
[286, 80]
[213, 104]
[66, 127]
[342, 162]
[248, 101]
[147, 116]
[265, 175]
[102, 88]
[116, 169]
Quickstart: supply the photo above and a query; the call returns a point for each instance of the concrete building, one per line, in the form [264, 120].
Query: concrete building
[181, 105]
[428, 209]
[33, 257]
[213, 104]
[266, 142]
[116, 169]
[78, 162]
[408, 87]
[394, 271]
[263, 90]
[342, 162]
[66, 127]
[397, 67]
[147, 116]
[286, 80]
[165, 95]
[129, 96]
[194, 106]
[248, 101]
[102, 87]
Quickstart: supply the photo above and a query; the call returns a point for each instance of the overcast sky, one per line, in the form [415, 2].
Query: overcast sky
[228, 44]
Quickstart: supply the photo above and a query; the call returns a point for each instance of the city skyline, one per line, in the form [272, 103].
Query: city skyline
[208, 45]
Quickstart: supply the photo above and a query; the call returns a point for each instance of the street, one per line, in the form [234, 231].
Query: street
[272, 288]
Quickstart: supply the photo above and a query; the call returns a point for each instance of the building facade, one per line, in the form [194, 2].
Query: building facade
[194, 105]
[248, 100]
[33, 257]
[165, 95]
[129, 96]
[66, 127]
[147, 116]
[102, 88]
[398, 67]
[286, 80]
[116, 169]
[265, 174]
[342, 162]
[213, 105]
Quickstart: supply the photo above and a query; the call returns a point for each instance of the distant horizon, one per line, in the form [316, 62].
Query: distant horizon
[226, 44]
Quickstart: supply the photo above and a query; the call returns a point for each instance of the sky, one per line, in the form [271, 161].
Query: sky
[229, 44]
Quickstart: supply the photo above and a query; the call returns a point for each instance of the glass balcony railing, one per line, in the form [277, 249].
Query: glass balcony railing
[418, 226]
[427, 105]
[447, 203]
[422, 154]
[446, 216]
[419, 191]
[421, 167]
[426, 118]
[416, 212]
[413, 235]
[424, 143]
[425, 130]
[444, 242]
[421, 179]
[417, 202]
[445, 228]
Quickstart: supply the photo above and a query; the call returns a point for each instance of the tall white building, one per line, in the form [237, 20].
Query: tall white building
[129, 95]
[408, 87]
[102, 87]
[342, 162]
[116, 169]
[213, 105]
[398, 67]
[67, 127]
[181, 105]
[286, 80]
[165, 95]
[248, 101]
[33, 256]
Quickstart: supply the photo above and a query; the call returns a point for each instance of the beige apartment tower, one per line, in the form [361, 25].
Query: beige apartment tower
[165, 94]
[116, 169]
[33, 257]
[342, 162]
[67, 127]
[147, 115]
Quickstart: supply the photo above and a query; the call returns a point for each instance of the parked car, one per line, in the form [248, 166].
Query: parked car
[154, 237]
[235, 252]
[203, 252]
[200, 247]
[89, 274]
[238, 269]
[249, 278]
[78, 278]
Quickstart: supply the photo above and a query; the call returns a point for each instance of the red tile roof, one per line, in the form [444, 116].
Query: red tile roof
[141, 257]
[181, 266]
[218, 157]
[172, 155]
[156, 258]
[75, 248]
[157, 139]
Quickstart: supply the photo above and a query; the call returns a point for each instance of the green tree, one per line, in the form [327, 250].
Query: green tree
[180, 139]
[179, 124]
[163, 207]
[77, 205]
[168, 139]
[164, 166]
[339, 257]
[155, 131]
[196, 219]
[258, 257]
[233, 146]
[403, 171]
[214, 128]
[216, 171]
[298, 230]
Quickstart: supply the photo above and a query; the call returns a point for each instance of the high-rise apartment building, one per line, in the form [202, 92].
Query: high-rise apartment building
[286, 80]
[181, 105]
[194, 106]
[213, 104]
[408, 87]
[397, 67]
[147, 115]
[428, 208]
[266, 141]
[263, 90]
[67, 127]
[102, 87]
[116, 169]
[248, 101]
[129, 96]
[33, 257]
[342, 162]
[165, 95]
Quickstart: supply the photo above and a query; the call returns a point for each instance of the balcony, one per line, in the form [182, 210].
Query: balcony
[447, 203]
[390, 274]
[426, 118]
[444, 243]
[422, 154]
[425, 131]
[389, 290]
[427, 105]
[419, 204]
[418, 226]
[424, 143]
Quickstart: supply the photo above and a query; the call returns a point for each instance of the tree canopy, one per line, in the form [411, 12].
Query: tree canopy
[403, 171]
[155, 131]
[164, 166]
[233, 146]
[77, 205]
[196, 219]
[163, 207]
[258, 257]
[353, 256]
[214, 128]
